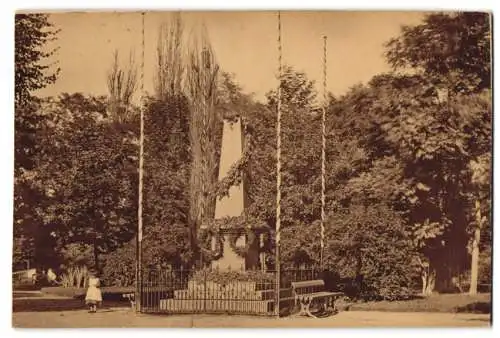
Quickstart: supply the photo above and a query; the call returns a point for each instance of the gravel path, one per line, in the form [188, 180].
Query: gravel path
[120, 317]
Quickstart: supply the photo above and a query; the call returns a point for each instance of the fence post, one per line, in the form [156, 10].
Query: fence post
[205, 290]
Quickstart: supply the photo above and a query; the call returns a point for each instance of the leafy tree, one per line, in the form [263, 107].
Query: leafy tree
[479, 124]
[33, 32]
[296, 90]
[87, 170]
[77, 255]
[453, 50]
[440, 136]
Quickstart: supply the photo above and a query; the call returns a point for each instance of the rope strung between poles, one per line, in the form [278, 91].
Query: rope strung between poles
[278, 170]
[141, 183]
[323, 156]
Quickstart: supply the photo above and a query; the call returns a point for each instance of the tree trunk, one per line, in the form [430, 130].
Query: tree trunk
[424, 281]
[475, 251]
[431, 282]
[428, 276]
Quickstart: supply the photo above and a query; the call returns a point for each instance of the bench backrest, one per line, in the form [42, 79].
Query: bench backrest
[308, 286]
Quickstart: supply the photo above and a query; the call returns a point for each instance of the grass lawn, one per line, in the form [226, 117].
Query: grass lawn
[40, 302]
[112, 292]
[480, 303]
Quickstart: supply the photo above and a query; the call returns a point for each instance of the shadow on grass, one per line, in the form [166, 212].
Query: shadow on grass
[451, 303]
[26, 294]
[46, 305]
[27, 287]
[476, 307]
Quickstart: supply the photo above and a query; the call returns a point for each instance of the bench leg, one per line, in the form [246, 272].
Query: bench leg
[327, 304]
[308, 311]
[305, 308]
[334, 305]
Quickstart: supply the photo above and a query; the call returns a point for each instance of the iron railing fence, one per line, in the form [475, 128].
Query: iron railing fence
[214, 291]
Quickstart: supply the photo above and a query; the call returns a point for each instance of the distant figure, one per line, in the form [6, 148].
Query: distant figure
[51, 277]
[94, 295]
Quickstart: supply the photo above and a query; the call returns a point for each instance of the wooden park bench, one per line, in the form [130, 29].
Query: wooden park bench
[306, 292]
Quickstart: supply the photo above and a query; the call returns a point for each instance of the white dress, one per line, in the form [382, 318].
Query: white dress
[94, 294]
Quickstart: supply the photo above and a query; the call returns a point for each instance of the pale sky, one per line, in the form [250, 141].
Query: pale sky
[245, 44]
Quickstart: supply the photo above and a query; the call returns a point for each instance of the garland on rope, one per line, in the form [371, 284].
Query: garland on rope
[250, 238]
[204, 239]
[236, 226]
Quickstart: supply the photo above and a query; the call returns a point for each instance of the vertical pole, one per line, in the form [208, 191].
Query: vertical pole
[323, 159]
[138, 280]
[475, 250]
[278, 175]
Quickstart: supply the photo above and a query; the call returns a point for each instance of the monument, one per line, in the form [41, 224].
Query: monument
[233, 204]
[244, 296]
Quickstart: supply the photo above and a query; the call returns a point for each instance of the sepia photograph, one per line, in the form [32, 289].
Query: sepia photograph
[252, 169]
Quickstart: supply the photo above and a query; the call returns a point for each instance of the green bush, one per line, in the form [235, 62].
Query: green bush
[75, 276]
[226, 277]
[159, 251]
[119, 267]
[77, 254]
[370, 247]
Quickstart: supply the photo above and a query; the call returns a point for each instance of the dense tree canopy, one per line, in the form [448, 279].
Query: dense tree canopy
[32, 72]
[408, 158]
[32, 33]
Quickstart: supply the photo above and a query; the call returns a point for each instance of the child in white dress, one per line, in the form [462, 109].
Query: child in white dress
[93, 297]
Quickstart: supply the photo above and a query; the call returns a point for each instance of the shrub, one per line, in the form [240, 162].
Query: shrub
[159, 251]
[226, 277]
[369, 246]
[75, 277]
[119, 267]
[76, 254]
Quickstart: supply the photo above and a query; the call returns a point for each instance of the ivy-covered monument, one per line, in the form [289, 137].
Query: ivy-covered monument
[232, 244]
[233, 240]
